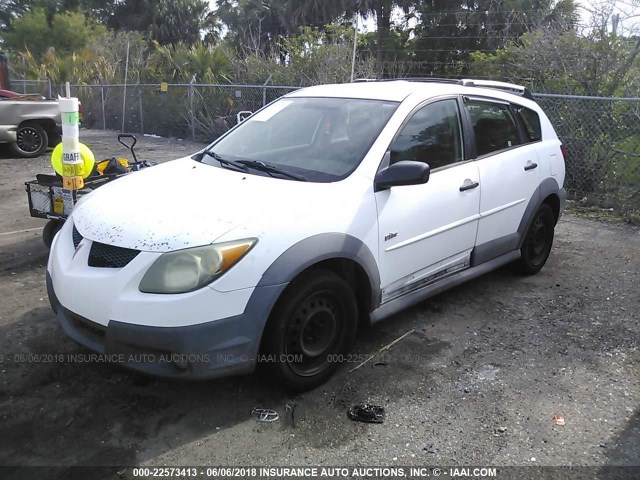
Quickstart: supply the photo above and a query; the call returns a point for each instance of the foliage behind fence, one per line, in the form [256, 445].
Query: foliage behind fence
[601, 135]
[602, 140]
[193, 111]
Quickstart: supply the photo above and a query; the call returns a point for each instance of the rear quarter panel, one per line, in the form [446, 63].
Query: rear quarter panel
[550, 152]
[14, 112]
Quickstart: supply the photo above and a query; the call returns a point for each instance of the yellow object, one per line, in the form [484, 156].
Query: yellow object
[164, 87]
[82, 170]
[58, 205]
[72, 183]
[104, 163]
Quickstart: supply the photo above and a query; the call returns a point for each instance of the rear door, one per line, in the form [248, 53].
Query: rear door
[509, 175]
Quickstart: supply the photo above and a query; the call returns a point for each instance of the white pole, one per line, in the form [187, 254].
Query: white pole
[355, 46]
[72, 163]
[124, 97]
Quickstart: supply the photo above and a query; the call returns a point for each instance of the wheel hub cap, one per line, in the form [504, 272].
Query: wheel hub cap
[28, 140]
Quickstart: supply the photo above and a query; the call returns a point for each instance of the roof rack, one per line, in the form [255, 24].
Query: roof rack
[467, 82]
[453, 81]
[509, 87]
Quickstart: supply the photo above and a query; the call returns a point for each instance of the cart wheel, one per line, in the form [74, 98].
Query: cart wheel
[50, 229]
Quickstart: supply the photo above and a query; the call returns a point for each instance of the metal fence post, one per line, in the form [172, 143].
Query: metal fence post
[264, 90]
[50, 92]
[191, 110]
[104, 117]
[141, 111]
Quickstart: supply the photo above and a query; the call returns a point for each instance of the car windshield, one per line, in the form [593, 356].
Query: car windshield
[322, 139]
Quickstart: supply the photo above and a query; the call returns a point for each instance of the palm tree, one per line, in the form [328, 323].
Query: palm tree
[381, 10]
[318, 13]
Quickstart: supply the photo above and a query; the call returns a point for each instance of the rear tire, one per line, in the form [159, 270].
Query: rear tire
[312, 324]
[538, 241]
[31, 141]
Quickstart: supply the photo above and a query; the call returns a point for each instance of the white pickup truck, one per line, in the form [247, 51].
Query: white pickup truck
[29, 123]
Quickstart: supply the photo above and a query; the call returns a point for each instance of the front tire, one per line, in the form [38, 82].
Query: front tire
[31, 141]
[312, 324]
[537, 243]
[50, 230]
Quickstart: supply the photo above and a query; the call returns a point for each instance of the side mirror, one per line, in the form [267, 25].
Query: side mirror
[407, 172]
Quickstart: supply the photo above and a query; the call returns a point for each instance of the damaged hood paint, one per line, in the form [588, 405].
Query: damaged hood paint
[178, 205]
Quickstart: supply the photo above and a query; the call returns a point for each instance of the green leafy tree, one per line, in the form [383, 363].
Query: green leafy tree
[318, 13]
[183, 62]
[66, 32]
[10, 9]
[381, 10]
[565, 62]
[165, 21]
[179, 21]
[257, 25]
[447, 32]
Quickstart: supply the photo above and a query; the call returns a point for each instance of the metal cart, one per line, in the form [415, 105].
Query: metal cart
[49, 201]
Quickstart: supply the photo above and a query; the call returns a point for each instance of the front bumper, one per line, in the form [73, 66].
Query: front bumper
[214, 349]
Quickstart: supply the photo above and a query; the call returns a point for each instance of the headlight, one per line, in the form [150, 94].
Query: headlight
[188, 270]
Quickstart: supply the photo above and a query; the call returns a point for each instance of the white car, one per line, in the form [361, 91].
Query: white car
[333, 204]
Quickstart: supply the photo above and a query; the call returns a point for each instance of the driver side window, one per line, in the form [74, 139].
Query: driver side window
[433, 135]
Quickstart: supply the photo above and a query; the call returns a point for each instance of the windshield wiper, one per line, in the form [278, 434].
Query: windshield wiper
[223, 161]
[265, 167]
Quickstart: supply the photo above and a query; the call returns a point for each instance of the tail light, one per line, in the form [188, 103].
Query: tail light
[564, 151]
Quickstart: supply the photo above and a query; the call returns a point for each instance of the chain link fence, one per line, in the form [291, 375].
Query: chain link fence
[195, 111]
[602, 141]
[601, 135]
[42, 87]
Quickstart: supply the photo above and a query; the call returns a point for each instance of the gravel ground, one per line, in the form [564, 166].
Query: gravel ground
[478, 382]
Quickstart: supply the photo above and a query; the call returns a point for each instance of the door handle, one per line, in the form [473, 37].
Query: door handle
[469, 186]
[530, 166]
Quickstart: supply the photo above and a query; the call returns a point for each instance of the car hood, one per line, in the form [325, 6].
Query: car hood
[181, 204]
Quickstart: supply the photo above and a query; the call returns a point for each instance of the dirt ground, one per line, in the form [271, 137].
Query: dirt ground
[478, 383]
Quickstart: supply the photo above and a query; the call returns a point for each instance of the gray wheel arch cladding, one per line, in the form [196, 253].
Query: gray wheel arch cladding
[549, 186]
[327, 246]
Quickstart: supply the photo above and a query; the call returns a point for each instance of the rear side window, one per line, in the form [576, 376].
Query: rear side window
[494, 126]
[531, 122]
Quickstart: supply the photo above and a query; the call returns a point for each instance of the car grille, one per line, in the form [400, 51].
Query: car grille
[108, 256]
[77, 238]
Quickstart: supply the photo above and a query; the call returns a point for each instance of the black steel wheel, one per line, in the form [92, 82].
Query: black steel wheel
[538, 241]
[31, 140]
[313, 323]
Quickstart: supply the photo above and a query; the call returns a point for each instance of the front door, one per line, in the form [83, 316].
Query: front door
[428, 231]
